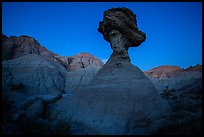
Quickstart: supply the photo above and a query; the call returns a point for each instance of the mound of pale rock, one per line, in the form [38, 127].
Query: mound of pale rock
[81, 67]
[84, 60]
[35, 74]
[80, 78]
[34, 78]
[29, 84]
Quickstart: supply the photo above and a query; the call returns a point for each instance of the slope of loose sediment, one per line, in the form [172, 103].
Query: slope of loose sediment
[36, 74]
[79, 78]
[118, 100]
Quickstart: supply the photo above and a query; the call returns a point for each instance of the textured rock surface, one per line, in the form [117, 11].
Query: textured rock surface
[14, 47]
[196, 68]
[34, 78]
[190, 72]
[183, 90]
[162, 72]
[84, 60]
[80, 78]
[79, 61]
[35, 110]
[38, 75]
[173, 77]
[124, 21]
[41, 97]
[28, 65]
[119, 27]
[23, 114]
[120, 99]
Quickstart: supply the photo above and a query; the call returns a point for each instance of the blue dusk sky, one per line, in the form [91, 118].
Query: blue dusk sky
[173, 29]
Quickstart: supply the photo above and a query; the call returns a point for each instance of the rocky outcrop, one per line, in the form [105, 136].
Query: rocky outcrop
[163, 72]
[80, 78]
[29, 84]
[79, 61]
[190, 72]
[19, 54]
[84, 60]
[23, 114]
[14, 47]
[182, 88]
[186, 102]
[124, 21]
[173, 77]
[34, 78]
[35, 74]
[32, 74]
[196, 68]
[119, 27]
[120, 99]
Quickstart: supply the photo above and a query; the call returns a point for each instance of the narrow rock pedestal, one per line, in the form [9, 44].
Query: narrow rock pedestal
[120, 99]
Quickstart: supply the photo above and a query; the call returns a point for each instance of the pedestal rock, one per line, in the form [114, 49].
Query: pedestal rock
[120, 99]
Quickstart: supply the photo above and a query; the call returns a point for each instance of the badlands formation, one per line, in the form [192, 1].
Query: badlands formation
[45, 93]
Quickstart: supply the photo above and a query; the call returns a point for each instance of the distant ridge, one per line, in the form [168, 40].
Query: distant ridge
[14, 47]
[171, 71]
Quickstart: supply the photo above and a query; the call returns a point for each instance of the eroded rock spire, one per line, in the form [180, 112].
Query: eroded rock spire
[119, 99]
[119, 27]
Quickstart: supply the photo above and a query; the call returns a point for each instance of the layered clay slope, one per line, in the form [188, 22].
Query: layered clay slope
[173, 77]
[196, 68]
[34, 77]
[162, 72]
[14, 47]
[36, 74]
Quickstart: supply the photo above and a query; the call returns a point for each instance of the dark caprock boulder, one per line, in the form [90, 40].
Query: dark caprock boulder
[120, 99]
